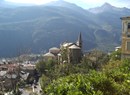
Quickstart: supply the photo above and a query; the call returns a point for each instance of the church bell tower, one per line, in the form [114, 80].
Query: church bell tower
[79, 41]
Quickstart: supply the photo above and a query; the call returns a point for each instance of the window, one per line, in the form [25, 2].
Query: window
[128, 46]
[128, 25]
[128, 30]
[128, 35]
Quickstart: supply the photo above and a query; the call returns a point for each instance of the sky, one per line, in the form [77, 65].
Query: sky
[82, 3]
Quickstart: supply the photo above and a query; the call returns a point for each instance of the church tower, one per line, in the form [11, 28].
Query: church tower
[79, 41]
[125, 37]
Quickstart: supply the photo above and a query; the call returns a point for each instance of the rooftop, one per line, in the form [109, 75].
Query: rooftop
[49, 55]
[74, 47]
[67, 44]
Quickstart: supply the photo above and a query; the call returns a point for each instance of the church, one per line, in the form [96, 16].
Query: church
[67, 53]
[71, 52]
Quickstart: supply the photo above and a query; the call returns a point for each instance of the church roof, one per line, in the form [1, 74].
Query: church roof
[74, 47]
[49, 55]
[67, 44]
[54, 48]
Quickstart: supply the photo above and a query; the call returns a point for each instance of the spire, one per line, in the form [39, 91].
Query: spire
[79, 41]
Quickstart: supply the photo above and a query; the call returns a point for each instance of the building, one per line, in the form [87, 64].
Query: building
[125, 37]
[67, 53]
[117, 48]
[71, 52]
[52, 54]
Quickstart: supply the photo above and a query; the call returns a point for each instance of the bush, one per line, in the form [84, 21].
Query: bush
[94, 83]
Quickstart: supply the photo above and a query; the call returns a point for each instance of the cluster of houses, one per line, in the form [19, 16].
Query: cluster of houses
[11, 73]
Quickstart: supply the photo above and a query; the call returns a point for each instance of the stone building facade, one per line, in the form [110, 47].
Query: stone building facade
[125, 37]
[67, 53]
[71, 52]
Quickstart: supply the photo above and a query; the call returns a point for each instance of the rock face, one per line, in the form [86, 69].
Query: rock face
[37, 28]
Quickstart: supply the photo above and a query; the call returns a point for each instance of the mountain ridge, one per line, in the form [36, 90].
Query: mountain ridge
[106, 7]
[38, 28]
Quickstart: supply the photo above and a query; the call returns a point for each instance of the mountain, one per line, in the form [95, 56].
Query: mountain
[38, 28]
[106, 7]
[110, 17]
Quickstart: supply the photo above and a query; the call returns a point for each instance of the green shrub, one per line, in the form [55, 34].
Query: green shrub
[94, 83]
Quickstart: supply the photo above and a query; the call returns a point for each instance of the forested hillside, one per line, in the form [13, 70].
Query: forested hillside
[37, 28]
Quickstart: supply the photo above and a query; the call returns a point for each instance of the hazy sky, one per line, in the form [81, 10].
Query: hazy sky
[82, 3]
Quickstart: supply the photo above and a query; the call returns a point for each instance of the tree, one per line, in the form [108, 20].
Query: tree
[41, 67]
[96, 59]
[116, 55]
[44, 81]
[95, 83]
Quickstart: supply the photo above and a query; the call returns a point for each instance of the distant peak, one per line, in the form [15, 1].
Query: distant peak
[107, 5]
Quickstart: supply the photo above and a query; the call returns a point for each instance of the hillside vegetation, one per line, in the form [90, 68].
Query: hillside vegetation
[106, 76]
